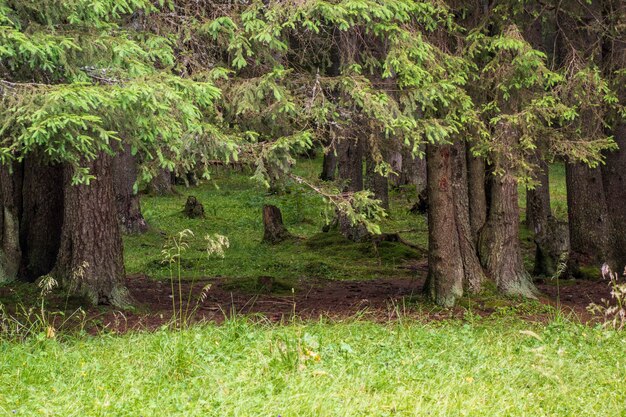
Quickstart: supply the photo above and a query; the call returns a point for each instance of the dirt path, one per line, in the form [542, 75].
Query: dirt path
[380, 300]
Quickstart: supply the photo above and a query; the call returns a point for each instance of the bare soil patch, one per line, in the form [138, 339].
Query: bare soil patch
[378, 300]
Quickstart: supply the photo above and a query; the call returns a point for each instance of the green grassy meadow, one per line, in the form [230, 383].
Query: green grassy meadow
[502, 368]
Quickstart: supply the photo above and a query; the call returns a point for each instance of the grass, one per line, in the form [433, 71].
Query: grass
[233, 205]
[322, 369]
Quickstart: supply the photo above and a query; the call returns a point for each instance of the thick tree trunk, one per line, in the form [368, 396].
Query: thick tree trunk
[275, 230]
[90, 260]
[11, 200]
[444, 284]
[499, 247]
[614, 172]
[474, 275]
[127, 200]
[588, 217]
[329, 165]
[538, 199]
[500, 250]
[615, 191]
[42, 217]
[477, 195]
[350, 164]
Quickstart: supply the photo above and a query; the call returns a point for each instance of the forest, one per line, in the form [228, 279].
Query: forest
[312, 207]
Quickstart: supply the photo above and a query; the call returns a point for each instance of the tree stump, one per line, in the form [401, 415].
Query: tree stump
[193, 208]
[275, 231]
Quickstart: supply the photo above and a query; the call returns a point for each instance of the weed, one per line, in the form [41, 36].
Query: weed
[613, 311]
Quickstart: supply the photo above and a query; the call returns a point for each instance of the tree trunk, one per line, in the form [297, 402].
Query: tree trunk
[42, 217]
[162, 184]
[474, 275]
[350, 164]
[11, 199]
[129, 214]
[444, 284]
[375, 182]
[91, 261]
[499, 246]
[538, 199]
[329, 166]
[614, 172]
[477, 195]
[615, 190]
[275, 230]
[588, 217]
[413, 170]
[500, 250]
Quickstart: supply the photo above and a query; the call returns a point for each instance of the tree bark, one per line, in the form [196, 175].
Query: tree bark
[499, 247]
[11, 200]
[476, 194]
[127, 201]
[614, 176]
[42, 217]
[614, 172]
[588, 217]
[538, 199]
[90, 260]
[350, 166]
[474, 276]
[329, 165]
[275, 230]
[444, 284]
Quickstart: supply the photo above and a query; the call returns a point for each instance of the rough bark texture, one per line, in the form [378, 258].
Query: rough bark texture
[500, 250]
[476, 193]
[538, 199]
[588, 217]
[42, 217]
[474, 275]
[499, 246]
[615, 191]
[444, 284]
[614, 172]
[275, 230]
[11, 200]
[90, 260]
[128, 205]
[350, 167]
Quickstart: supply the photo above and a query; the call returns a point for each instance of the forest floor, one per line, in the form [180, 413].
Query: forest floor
[311, 276]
